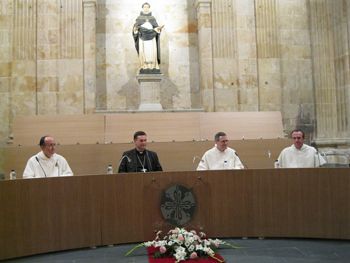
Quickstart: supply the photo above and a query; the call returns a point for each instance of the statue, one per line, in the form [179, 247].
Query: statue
[146, 33]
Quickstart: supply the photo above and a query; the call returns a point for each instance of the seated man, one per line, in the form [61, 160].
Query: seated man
[47, 163]
[139, 159]
[299, 155]
[220, 157]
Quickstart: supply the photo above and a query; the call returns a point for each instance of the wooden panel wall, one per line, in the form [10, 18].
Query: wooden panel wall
[160, 127]
[52, 214]
[69, 129]
[174, 156]
[238, 125]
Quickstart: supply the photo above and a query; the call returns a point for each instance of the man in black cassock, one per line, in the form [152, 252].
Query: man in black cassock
[139, 159]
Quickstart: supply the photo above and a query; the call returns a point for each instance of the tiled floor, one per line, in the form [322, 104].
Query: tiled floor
[252, 250]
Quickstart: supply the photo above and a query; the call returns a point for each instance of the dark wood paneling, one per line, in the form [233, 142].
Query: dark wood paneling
[51, 214]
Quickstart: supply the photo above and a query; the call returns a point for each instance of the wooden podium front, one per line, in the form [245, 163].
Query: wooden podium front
[52, 214]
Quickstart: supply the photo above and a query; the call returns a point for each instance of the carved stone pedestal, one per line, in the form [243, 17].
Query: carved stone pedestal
[150, 91]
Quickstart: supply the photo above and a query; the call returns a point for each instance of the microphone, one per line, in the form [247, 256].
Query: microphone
[149, 162]
[194, 158]
[244, 166]
[313, 144]
[122, 158]
[36, 157]
[58, 168]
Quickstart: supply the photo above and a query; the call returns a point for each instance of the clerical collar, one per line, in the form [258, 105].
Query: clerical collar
[143, 14]
[140, 153]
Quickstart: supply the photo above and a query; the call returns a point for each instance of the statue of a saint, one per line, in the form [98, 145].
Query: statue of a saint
[146, 33]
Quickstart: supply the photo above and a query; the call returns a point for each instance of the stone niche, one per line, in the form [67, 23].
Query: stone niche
[117, 61]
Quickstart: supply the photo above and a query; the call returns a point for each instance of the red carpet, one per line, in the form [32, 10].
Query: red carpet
[151, 250]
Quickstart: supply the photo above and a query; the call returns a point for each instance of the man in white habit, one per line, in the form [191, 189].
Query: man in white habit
[299, 155]
[47, 163]
[220, 157]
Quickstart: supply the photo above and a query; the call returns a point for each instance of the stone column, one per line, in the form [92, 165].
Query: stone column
[70, 72]
[348, 70]
[204, 16]
[268, 55]
[323, 41]
[47, 59]
[89, 55]
[224, 50]
[23, 85]
[246, 55]
[150, 91]
[341, 67]
[5, 71]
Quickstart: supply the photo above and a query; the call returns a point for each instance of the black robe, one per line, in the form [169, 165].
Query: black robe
[129, 162]
[146, 34]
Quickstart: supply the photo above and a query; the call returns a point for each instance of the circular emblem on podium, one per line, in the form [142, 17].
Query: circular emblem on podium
[178, 205]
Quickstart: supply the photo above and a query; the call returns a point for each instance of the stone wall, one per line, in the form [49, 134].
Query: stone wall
[291, 56]
[261, 59]
[117, 62]
[41, 59]
[330, 44]
[78, 57]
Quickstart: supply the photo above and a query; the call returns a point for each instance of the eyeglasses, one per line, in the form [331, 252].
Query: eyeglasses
[294, 138]
[50, 145]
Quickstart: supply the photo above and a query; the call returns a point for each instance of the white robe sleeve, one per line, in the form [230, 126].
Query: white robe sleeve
[238, 163]
[64, 168]
[29, 170]
[203, 164]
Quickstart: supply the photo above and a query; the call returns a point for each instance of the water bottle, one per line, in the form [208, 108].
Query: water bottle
[276, 164]
[109, 169]
[13, 175]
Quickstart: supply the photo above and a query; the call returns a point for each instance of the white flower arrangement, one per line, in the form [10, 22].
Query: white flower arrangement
[182, 245]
